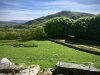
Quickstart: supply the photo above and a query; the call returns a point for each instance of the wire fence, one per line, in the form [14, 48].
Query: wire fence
[31, 59]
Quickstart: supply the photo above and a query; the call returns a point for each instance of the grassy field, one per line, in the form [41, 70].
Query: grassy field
[45, 53]
[80, 43]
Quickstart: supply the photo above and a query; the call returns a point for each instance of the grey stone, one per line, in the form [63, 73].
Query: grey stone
[21, 66]
[75, 69]
[6, 66]
[29, 71]
[46, 71]
[5, 61]
[77, 66]
[3, 74]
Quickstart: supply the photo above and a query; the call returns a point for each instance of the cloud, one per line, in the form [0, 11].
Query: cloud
[74, 6]
[9, 14]
[25, 12]
[59, 5]
[34, 9]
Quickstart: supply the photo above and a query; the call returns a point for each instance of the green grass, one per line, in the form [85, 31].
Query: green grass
[46, 54]
[88, 45]
[83, 42]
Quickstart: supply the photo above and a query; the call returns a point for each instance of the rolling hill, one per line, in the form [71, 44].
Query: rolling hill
[19, 21]
[7, 23]
[69, 14]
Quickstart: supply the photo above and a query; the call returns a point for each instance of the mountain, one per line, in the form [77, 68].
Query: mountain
[19, 21]
[7, 23]
[13, 22]
[69, 14]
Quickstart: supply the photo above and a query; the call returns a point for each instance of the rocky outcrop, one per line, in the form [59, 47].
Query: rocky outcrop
[5, 61]
[75, 69]
[32, 70]
[46, 71]
[20, 66]
[62, 68]
[6, 66]
[3, 74]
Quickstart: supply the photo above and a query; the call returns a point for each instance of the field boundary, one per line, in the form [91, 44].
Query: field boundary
[30, 59]
[77, 48]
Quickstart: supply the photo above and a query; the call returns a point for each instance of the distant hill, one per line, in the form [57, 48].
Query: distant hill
[12, 22]
[19, 21]
[7, 23]
[69, 14]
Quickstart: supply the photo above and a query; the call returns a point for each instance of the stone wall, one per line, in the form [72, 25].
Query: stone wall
[74, 69]
[77, 48]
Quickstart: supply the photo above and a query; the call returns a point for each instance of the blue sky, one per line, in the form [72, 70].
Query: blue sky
[32, 9]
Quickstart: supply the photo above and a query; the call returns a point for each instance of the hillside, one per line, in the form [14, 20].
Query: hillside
[69, 14]
[7, 23]
[19, 21]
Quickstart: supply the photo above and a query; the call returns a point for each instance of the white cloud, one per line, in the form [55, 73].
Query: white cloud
[45, 8]
[74, 6]
[23, 14]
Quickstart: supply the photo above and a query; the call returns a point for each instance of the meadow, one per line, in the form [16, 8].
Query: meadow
[45, 53]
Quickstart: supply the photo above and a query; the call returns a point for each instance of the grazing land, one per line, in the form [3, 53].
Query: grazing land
[81, 43]
[45, 53]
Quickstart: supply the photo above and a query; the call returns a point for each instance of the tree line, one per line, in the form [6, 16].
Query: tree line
[85, 28]
[36, 32]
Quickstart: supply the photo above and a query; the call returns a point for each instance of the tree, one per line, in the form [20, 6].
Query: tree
[37, 32]
[58, 26]
[80, 27]
[94, 31]
[2, 35]
[26, 34]
[87, 28]
[12, 35]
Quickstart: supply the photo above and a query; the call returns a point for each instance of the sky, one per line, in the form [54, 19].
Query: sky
[32, 9]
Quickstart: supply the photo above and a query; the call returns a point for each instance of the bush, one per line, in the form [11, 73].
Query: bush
[18, 44]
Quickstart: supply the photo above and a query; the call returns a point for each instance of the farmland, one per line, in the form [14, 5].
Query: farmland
[45, 53]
